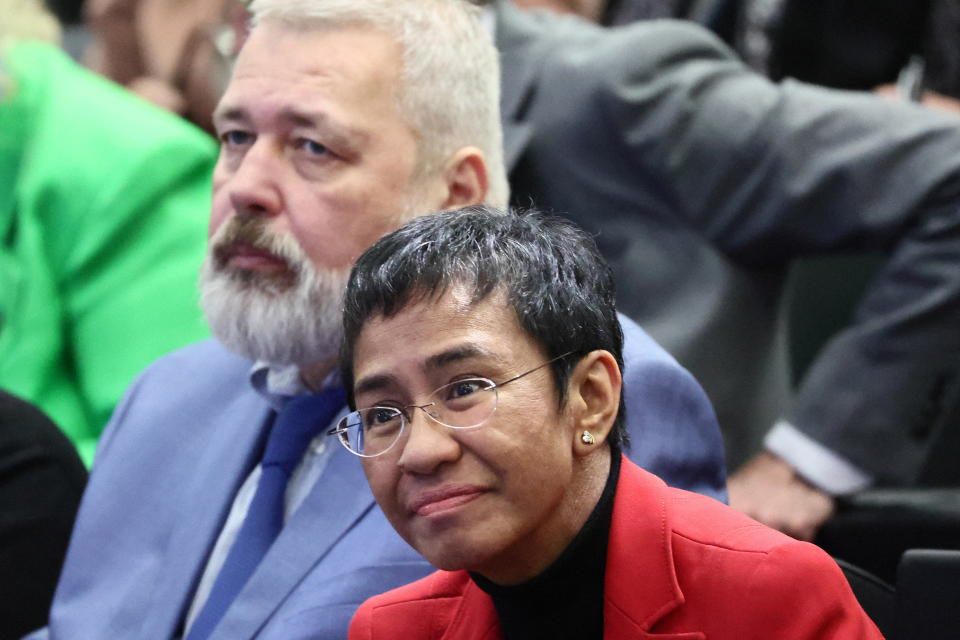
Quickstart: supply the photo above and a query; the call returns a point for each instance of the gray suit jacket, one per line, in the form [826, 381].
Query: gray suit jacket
[187, 435]
[702, 180]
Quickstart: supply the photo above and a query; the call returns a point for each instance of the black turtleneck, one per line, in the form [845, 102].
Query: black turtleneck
[566, 600]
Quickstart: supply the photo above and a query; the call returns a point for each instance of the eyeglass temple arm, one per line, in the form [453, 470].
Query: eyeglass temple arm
[526, 373]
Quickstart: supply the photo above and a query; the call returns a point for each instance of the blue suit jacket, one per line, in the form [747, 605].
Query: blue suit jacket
[186, 436]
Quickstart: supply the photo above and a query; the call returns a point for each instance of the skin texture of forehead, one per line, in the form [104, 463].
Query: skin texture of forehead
[361, 55]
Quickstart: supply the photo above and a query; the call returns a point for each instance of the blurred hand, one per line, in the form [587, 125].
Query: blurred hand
[159, 92]
[769, 490]
[927, 98]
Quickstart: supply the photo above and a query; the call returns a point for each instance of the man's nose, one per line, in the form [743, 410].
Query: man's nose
[254, 187]
[428, 444]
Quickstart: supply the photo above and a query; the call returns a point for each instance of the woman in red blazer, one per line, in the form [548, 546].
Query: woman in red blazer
[484, 353]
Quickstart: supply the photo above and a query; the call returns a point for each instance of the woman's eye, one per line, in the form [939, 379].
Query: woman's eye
[382, 416]
[465, 388]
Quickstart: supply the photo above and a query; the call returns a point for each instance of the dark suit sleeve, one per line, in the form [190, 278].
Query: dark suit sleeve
[41, 480]
[772, 172]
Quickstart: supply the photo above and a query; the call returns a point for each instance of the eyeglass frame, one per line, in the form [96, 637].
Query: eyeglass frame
[405, 419]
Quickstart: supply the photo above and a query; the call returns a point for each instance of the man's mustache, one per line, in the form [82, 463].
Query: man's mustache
[253, 233]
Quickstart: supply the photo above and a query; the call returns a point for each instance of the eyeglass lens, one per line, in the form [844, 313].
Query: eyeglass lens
[460, 405]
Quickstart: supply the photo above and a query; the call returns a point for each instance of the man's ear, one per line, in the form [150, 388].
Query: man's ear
[466, 179]
[593, 398]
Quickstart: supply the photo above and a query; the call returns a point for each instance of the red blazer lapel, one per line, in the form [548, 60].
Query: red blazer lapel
[442, 606]
[475, 618]
[641, 585]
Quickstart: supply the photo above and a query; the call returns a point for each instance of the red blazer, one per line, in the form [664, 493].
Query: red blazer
[680, 566]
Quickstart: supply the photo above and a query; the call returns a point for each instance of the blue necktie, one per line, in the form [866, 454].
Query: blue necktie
[295, 426]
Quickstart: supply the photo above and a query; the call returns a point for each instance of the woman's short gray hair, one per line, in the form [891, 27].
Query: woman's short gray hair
[450, 87]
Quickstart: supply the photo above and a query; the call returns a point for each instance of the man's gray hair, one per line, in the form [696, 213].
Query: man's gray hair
[450, 87]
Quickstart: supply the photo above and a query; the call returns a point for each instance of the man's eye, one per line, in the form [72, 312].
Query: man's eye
[313, 147]
[236, 138]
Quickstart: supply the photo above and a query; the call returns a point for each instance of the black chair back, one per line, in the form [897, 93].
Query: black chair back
[928, 595]
[876, 597]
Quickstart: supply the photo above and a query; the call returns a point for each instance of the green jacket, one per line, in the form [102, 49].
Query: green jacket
[104, 202]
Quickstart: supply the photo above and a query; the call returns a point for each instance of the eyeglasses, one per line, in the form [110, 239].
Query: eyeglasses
[461, 404]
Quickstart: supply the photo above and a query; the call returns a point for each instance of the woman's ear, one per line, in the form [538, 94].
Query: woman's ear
[593, 399]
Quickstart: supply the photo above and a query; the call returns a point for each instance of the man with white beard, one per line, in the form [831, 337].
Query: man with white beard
[217, 507]
[299, 301]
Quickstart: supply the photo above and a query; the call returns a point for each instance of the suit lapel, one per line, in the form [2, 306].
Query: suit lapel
[205, 503]
[618, 625]
[475, 618]
[338, 500]
[640, 586]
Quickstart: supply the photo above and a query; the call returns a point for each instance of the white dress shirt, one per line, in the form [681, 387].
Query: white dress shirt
[820, 466]
[277, 386]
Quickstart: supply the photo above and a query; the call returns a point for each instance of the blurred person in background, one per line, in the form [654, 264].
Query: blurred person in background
[617, 12]
[102, 216]
[847, 44]
[175, 54]
[41, 474]
[41, 481]
[712, 180]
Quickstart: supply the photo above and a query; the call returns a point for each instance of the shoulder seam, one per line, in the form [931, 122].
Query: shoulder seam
[717, 545]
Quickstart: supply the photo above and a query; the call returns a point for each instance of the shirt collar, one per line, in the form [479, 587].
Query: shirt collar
[278, 383]
[489, 21]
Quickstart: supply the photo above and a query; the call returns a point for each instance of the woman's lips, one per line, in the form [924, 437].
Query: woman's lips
[433, 502]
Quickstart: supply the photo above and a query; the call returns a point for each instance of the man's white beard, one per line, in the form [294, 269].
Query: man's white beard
[281, 319]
